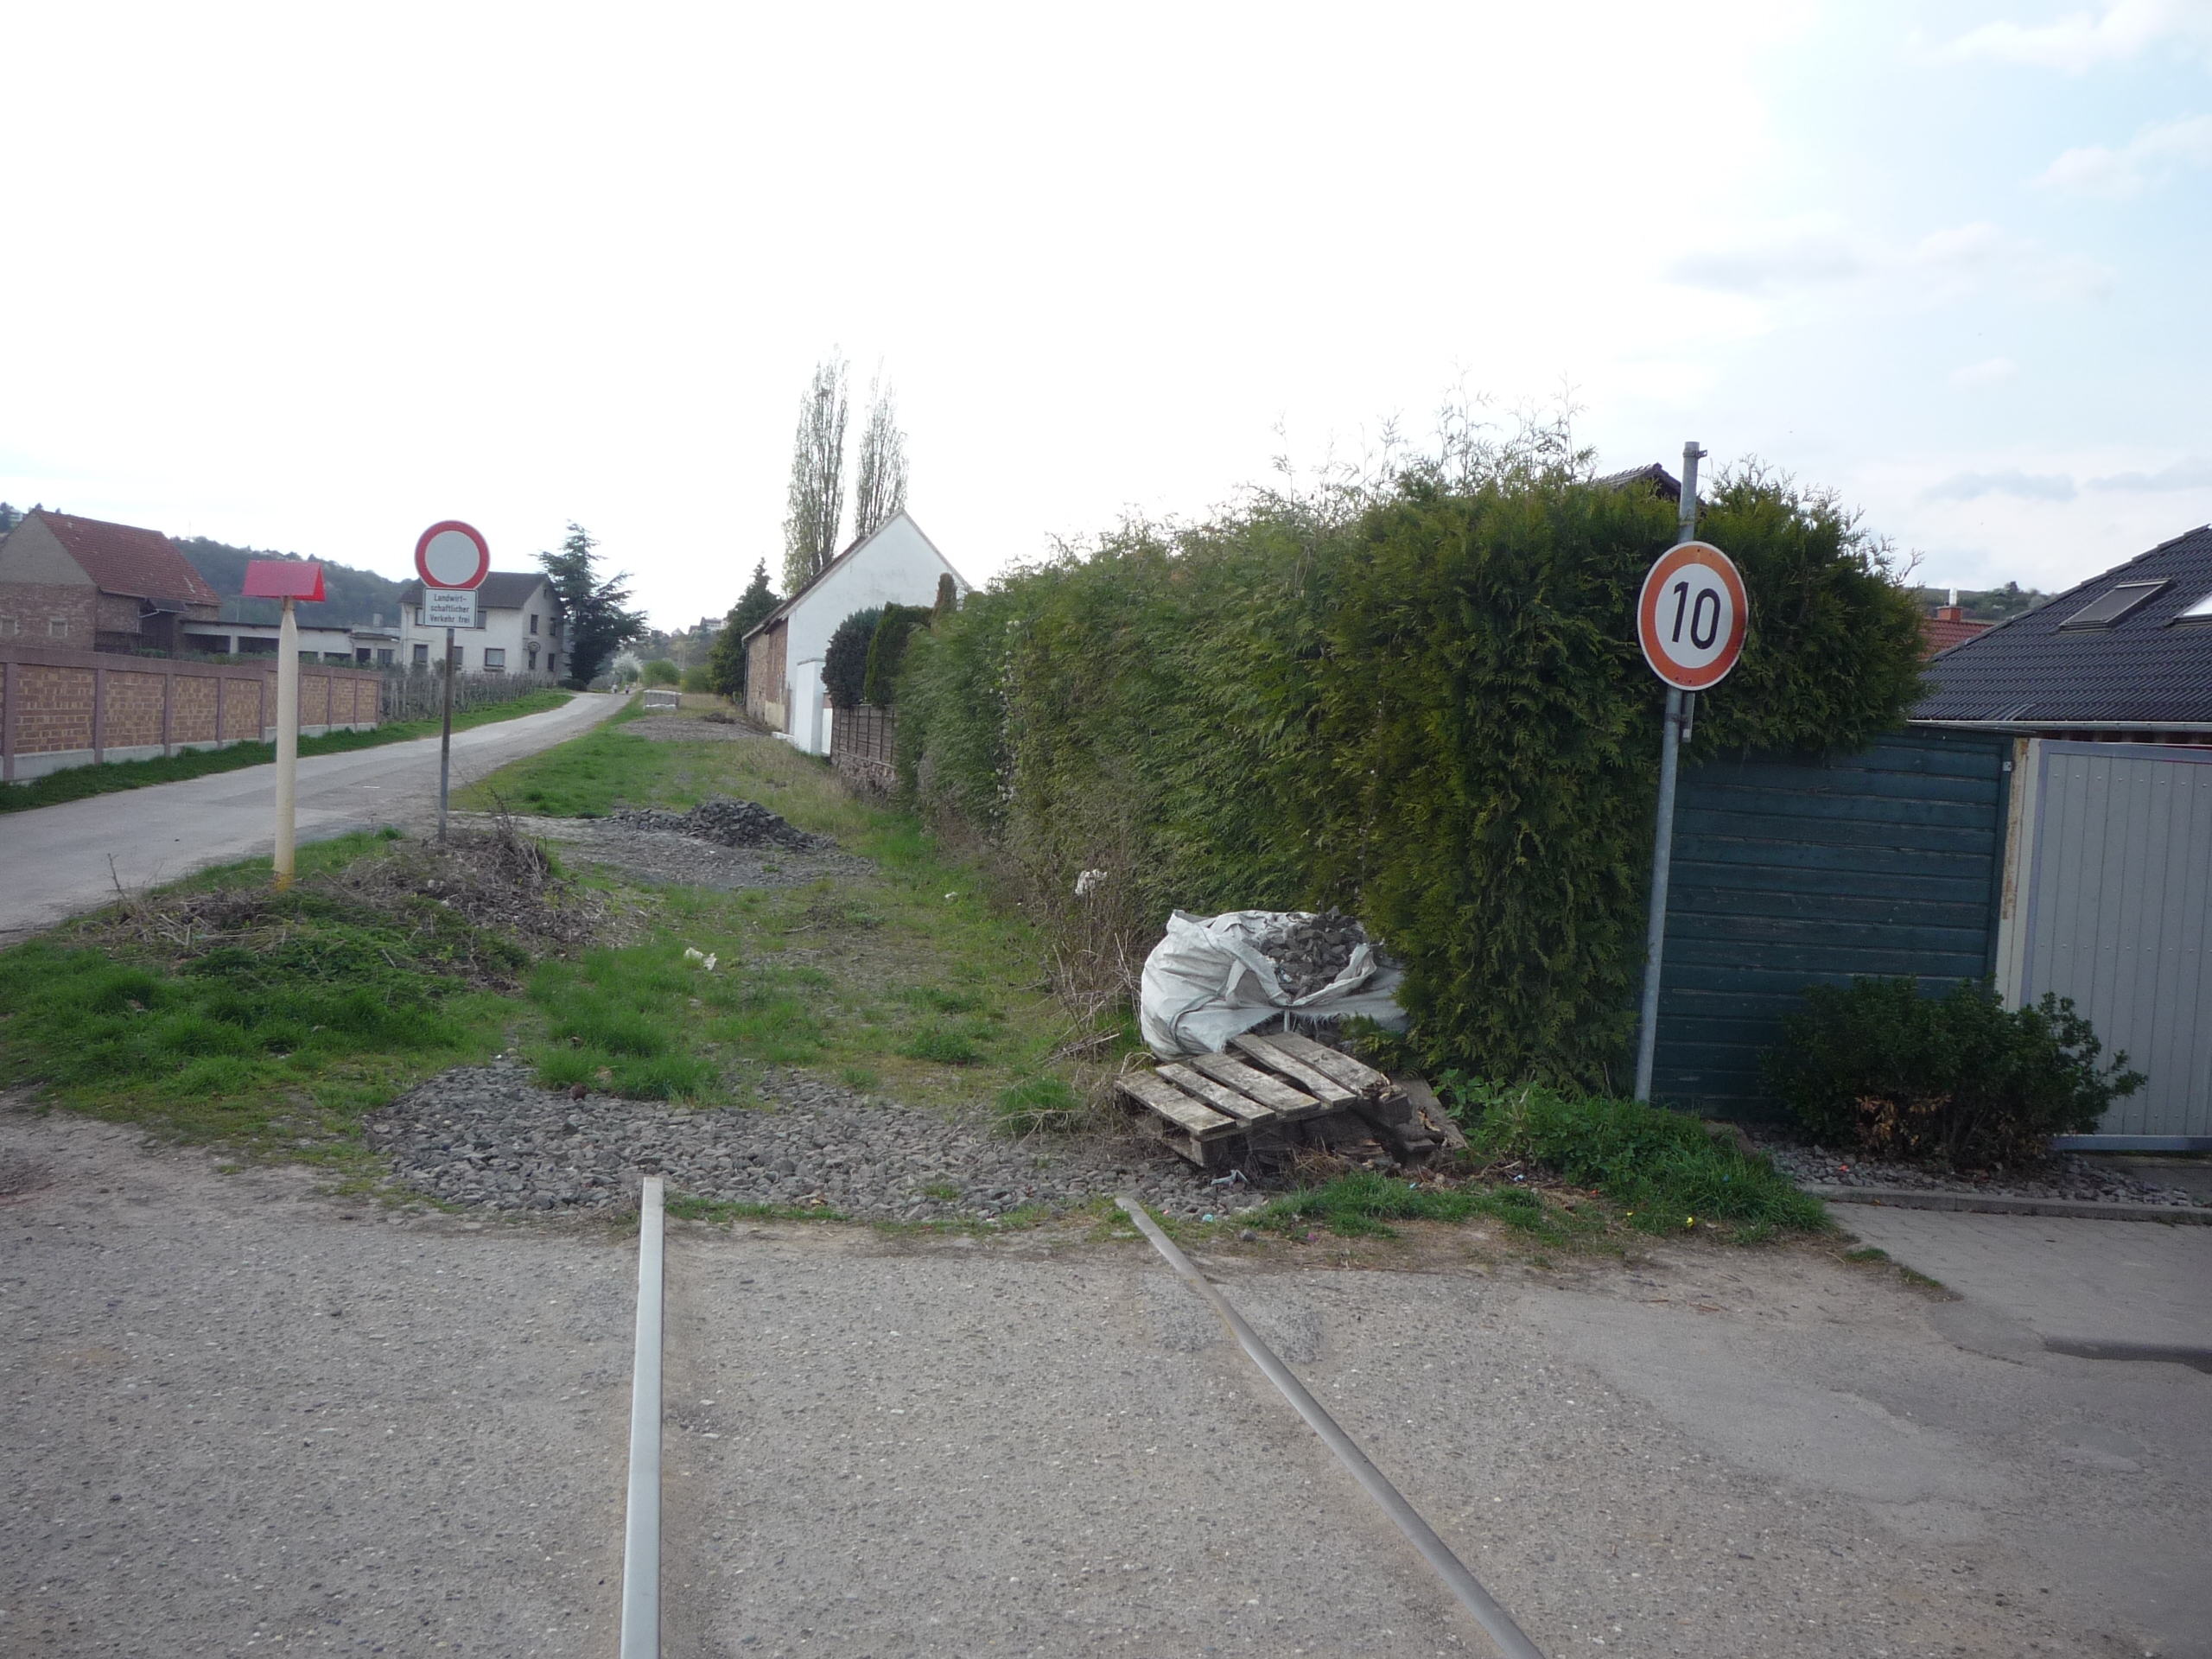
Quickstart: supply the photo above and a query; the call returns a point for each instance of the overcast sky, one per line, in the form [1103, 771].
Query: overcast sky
[312, 277]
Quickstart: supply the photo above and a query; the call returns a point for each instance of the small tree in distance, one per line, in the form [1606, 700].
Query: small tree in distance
[598, 622]
[726, 662]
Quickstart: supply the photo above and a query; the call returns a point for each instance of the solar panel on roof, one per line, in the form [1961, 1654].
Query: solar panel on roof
[2114, 606]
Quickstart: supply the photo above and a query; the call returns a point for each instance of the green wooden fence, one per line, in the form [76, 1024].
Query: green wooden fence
[1790, 871]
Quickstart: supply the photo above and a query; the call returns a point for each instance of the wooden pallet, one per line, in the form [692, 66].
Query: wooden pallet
[1205, 1106]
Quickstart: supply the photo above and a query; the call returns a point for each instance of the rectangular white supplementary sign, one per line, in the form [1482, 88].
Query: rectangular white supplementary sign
[449, 608]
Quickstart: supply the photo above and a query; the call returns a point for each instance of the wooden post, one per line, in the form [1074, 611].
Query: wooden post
[287, 739]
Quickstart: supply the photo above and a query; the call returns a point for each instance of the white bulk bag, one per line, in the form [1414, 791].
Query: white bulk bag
[1208, 981]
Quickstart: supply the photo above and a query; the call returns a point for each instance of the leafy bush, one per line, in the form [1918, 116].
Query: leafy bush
[696, 679]
[844, 664]
[1664, 1169]
[1424, 704]
[1955, 1080]
[661, 671]
[887, 651]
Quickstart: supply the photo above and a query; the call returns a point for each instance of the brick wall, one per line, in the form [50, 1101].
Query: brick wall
[37, 605]
[47, 718]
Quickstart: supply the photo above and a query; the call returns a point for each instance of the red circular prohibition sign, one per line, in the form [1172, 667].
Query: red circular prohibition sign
[1692, 616]
[450, 554]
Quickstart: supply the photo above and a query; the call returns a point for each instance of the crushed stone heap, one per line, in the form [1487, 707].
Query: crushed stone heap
[725, 822]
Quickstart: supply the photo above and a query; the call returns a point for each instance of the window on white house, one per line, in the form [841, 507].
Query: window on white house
[383, 657]
[57, 628]
[533, 621]
[533, 659]
[495, 659]
[422, 656]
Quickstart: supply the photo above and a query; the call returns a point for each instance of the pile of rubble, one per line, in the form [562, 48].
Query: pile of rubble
[726, 822]
[1313, 950]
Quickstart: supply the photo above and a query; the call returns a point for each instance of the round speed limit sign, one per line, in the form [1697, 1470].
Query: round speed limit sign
[1692, 616]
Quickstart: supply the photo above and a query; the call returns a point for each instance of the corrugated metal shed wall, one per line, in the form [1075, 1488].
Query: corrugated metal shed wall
[1790, 871]
[2118, 911]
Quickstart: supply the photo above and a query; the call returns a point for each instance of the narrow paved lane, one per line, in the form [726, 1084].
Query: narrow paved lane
[55, 862]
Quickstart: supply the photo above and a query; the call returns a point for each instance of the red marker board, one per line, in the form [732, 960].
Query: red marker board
[453, 555]
[283, 579]
[1692, 616]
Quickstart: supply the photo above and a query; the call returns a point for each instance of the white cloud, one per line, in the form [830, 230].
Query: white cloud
[1796, 258]
[2148, 159]
[2031, 486]
[2080, 41]
[1975, 376]
[2194, 474]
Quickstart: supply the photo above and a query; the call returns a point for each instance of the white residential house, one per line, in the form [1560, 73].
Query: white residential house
[896, 565]
[518, 629]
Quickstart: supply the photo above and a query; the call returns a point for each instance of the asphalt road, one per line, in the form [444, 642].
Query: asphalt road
[238, 1417]
[58, 858]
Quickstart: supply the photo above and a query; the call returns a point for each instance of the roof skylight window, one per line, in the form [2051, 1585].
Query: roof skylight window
[2199, 612]
[2115, 606]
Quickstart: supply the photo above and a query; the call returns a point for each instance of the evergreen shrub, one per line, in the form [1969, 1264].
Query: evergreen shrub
[1957, 1081]
[844, 662]
[1424, 704]
[887, 650]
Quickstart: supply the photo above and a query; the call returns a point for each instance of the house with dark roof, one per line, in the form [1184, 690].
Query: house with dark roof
[2124, 655]
[519, 629]
[896, 564]
[94, 586]
[2102, 699]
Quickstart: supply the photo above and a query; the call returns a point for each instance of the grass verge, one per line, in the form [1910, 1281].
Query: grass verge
[899, 976]
[266, 1021]
[79, 783]
[1365, 1203]
[1662, 1170]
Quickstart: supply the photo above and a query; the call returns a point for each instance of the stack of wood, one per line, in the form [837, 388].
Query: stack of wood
[1271, 1096]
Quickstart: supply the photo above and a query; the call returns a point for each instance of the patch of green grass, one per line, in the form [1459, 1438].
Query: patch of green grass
[317, 1010]
[683, 1207]
[1043, 1101]
[1867, 1253]
[943, 1192]
[1365, 1203]
[1663, 1169]
[616, 1020]
[947, 1042]
[78, 782]
[858, 1076]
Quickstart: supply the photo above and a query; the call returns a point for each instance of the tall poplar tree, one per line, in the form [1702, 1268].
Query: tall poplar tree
[816, 500]
[880, 483]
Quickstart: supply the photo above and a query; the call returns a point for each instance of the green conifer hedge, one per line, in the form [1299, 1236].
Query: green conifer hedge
[1429, 707]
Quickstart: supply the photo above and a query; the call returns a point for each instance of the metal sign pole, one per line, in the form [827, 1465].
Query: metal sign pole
[1655, 945]
[445, 741]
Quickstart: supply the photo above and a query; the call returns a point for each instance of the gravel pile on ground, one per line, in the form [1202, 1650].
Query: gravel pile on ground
[490, 1137]
[725, 822]
[1310, 954]
[2065, 1176]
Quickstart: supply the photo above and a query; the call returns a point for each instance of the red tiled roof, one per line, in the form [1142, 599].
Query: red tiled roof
[1942, 633]
[123, 559]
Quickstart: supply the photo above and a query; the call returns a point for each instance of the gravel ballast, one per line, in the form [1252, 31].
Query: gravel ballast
[2067, 1175]
[488, 1137]
[724, 821]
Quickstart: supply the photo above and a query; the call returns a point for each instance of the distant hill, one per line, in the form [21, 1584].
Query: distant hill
[356, 598]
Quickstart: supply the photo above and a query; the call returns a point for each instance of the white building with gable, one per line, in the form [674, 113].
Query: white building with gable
[896, 565]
